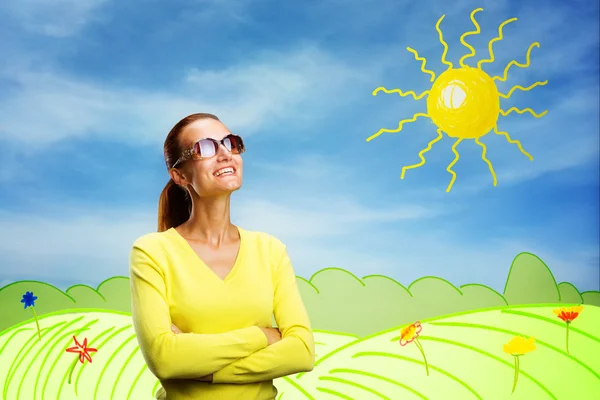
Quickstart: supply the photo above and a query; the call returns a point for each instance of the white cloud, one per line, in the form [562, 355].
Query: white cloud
[49, 107]
[57, 18]
[323, 226]
[93, 245]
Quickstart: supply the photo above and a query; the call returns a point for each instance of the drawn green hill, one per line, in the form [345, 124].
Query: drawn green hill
[464, 352]
[336, 299]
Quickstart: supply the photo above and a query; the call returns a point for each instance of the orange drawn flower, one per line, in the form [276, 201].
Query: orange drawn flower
[568, 314]
[83, 350]
[410, 333]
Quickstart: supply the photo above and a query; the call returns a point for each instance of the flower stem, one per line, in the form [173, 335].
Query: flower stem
[516, 373]
[72, 369]
[37, 322]
[568, 338]
[420, 347]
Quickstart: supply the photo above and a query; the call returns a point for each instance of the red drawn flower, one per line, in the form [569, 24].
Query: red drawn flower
[568, 314]
[82, 350]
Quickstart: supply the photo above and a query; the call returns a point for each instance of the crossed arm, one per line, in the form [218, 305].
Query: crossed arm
[239, 356]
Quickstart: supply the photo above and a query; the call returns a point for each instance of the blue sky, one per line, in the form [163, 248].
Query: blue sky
[90, 88]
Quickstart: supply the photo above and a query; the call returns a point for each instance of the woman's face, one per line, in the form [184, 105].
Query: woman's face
[212, 176]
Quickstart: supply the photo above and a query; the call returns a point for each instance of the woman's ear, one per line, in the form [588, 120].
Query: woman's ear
[178, 177]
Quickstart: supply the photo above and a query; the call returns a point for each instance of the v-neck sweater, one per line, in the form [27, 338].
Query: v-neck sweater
[219, 318]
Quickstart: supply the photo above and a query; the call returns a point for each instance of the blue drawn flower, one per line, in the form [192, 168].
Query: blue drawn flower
[29, 299]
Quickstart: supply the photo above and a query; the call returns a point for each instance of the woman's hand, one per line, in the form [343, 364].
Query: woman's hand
[273, 335]
[175, 329]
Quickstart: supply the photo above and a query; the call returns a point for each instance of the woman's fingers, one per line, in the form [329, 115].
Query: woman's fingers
[175, 329]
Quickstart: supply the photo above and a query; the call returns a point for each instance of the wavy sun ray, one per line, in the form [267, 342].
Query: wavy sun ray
[484, 158]
[399, 128]
[437, 28]
[499, 37]
[449, 169]
[477, 31]
[513, 62]
[400, 92]
[518, 111]
[464, 102]
[424, 61]
[421, 153]
[512, 141]
[528, 88]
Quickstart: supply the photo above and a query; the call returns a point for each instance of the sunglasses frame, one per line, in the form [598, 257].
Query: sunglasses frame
[190, 154]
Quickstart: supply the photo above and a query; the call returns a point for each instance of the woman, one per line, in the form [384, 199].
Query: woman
[204, 291]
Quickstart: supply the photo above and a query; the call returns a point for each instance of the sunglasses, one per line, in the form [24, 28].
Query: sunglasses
[208, 147]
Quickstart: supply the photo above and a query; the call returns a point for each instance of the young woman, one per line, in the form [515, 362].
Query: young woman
[204, 291]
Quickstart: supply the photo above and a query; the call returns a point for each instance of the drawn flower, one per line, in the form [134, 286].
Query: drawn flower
[83, 351]
[28, 300]
[517, 347]
[568, 314]
[409, 334]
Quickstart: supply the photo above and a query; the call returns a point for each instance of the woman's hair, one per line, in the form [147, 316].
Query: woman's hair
[174, 204]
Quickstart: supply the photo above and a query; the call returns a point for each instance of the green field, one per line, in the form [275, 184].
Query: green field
[464, 352]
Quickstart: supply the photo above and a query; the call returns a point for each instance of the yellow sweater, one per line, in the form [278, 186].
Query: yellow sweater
[219, 318]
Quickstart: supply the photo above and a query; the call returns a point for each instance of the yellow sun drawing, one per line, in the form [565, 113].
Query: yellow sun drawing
[464, 102]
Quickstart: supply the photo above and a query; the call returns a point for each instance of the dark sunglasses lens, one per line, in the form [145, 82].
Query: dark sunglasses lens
[234, 144]
[206, 148]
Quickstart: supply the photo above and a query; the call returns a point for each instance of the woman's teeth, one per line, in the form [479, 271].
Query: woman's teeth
[224, 171]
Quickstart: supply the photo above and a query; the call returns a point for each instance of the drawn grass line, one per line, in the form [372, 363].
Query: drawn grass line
[11, 336]
[11, 372]
[356, 385]
[135, 381]
[16, 364]
[514, 333]
[376, 376]
[300, 388]
[67, 372]
[127, 360]
[112, 356]
[155, 387]
[60, 388]
[492, 356]
[62, 313]
[427, 320]
[419, 362]
[552, 321]
[31, 364]
[334, 393]
[58, 356]
[93, 354]
[62, 382]
[112, 335]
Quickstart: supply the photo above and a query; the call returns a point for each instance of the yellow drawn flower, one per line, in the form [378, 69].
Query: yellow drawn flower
[519, 345]
[410, 333]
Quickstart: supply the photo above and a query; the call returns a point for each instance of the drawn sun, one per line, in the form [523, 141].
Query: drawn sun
[464, 102]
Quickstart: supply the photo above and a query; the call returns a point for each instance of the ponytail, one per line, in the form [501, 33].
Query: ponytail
[174, 206]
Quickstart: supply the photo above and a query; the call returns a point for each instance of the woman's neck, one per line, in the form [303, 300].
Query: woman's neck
[210, 222]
